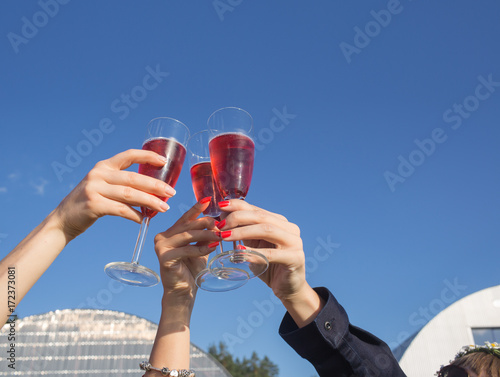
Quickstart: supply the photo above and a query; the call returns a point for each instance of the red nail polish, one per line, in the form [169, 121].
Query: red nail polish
[220, 224]
[213, 244]
[224, 203]
[240, 247]
[205, 200]
[225, 234]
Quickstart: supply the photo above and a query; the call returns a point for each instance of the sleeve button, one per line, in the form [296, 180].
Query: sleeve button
[328, 326]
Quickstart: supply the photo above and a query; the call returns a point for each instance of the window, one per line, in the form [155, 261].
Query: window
[482, 335]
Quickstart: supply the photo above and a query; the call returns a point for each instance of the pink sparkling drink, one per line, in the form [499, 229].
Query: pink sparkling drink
[169, 173]
[204, 186]
[232, 157]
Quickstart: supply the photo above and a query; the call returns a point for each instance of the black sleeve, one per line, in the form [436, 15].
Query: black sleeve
[337, 348]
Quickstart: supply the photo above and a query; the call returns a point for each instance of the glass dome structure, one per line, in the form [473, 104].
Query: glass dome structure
[87, 342]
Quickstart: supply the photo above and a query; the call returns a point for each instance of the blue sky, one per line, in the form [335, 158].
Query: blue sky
[376, 125]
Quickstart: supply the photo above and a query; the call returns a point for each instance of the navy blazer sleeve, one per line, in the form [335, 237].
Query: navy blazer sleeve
[337, 348]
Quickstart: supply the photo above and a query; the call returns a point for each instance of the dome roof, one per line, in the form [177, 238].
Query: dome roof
[444, 335]
[87, 342]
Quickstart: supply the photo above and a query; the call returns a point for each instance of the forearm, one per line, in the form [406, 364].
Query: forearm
[30, 259]
[171, 348]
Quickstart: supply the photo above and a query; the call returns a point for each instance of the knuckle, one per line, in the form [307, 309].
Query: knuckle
[90, 193]
[261, 216]
[203, 250]
[122, 210]
[158, 238]
[267, 228]
[281, 217]
[131, 179]
[295, 229]
[99, 165]
[94, 174]
[128, 154]
[161, 244]
[187, 235]
[208, 222]
[127, 193]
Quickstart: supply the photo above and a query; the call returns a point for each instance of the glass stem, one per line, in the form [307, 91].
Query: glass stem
[140, 239]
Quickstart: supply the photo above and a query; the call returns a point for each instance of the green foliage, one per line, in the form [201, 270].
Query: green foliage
[252, 367]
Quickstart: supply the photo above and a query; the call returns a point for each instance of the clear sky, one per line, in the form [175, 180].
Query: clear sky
[377, 127]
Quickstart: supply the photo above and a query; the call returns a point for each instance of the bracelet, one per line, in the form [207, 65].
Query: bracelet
[145, 365]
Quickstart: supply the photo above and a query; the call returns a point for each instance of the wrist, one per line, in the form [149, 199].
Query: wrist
[172, 343]
[177, 308]
[304, 305]
[58, 220]
[52, 227]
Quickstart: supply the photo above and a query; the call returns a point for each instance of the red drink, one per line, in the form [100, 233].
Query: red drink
[204, 186]
[232, 156]
[169, 173]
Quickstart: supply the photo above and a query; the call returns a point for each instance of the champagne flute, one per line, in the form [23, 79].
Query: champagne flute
[232, 153]
[167, 137]
[220, 279]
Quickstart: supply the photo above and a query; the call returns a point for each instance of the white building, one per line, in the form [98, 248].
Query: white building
[472, 320]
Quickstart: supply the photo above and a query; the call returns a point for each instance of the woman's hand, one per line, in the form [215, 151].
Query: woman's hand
[273, 236]
[183, 250]
[109, 190]
[279, 241]
[105, 190]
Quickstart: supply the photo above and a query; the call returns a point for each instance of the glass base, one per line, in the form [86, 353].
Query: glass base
[132, 274]
[249, 261]
[221, 280]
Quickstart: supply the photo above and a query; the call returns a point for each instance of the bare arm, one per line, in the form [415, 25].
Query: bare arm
[182, 252]
[106, 190]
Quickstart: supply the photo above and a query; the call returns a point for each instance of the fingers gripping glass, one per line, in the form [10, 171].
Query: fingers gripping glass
[222, 279]
[232, 153]
[167, 137]
[453, 371]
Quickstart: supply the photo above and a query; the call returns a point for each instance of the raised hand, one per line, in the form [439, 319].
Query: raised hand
[279, 241]
[110, 190]
[183, 250]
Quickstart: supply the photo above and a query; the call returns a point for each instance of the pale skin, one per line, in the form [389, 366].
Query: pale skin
[182, 252]
[106, 190]
[183, 249]
[279, 241]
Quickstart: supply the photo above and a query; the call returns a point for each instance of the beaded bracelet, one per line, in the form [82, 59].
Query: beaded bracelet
[145, 365]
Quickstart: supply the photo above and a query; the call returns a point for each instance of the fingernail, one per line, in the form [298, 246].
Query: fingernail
[162, 158]
[205, 200]
[240, 247]
[224, 203]
[164, 206]
[213, 244]
[169, 190]
[220, 224]
[225, 234]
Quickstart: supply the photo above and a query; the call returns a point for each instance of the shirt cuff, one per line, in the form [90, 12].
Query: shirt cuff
[322, 334]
